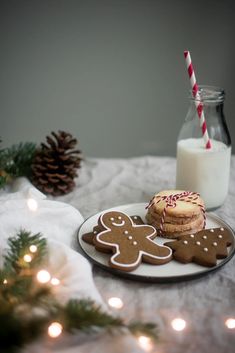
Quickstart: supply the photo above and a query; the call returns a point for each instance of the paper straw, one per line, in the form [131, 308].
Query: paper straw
[197, 100]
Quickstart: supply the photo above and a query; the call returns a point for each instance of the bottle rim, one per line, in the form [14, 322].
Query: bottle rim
[209, 94]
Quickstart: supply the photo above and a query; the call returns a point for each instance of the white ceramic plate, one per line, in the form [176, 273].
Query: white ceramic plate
[170, 272]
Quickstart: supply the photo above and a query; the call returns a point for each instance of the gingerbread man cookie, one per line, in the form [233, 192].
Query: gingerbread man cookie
[89, 237]
[130, 243]
[203, 248]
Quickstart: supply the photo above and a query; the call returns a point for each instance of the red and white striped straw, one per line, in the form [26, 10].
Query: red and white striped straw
[198, 103]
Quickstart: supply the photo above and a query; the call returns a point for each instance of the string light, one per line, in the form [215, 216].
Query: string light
[178, 324]
[115, 302]
[5, 281]
[55, 281]
[230, 323]
[145, 343]
[43, 276]
[27, 258]
[32, 204]
[55, 329]
[33, 248]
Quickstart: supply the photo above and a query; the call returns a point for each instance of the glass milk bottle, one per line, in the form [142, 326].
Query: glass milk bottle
[199, 169]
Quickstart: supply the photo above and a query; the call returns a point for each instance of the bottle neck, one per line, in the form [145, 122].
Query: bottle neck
[212, 101]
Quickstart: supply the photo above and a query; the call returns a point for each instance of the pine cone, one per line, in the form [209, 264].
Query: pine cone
[55, 164]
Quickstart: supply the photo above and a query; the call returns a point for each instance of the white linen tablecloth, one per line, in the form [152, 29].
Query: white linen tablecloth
[204, 303]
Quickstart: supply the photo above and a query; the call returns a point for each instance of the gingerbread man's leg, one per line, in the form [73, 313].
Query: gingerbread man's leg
[126, 262]
[155, 254]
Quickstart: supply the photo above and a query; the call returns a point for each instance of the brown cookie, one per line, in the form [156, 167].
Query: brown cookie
[203, 248]
[89, 237]
[130, 243]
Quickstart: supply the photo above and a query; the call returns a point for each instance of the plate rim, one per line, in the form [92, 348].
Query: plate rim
[156, 279]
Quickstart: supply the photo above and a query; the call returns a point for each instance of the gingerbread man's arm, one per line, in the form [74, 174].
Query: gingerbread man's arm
[106, 237]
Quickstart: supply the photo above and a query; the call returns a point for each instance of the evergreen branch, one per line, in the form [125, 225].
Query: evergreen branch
[19, 246]
[148, 328]
[84, 315]
[27, 307]
[16, 160]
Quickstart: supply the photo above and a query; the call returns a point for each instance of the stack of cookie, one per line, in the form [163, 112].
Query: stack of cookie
[176, 212]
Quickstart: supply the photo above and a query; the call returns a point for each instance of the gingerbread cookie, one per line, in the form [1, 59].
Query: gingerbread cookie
[89, 237]
[130, 243]
[203, 248]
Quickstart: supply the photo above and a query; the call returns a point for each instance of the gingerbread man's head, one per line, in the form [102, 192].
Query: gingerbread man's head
[115, 219]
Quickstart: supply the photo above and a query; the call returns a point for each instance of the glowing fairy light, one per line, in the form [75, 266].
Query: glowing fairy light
[33, 248]
[178, 324]
[55, 329]
[145, 343]
[55, 281]
[115, 302]
[43, 276]
[32, 204]
[27, 258]
[5, 281]
[230, 323]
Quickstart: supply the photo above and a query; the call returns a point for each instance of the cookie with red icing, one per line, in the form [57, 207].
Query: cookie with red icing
[130, 243]
[203, 248]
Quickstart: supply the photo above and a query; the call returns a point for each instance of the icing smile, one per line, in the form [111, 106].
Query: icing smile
[118, 224]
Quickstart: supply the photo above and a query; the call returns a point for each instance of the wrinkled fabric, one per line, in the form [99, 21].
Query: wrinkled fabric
[205, 303]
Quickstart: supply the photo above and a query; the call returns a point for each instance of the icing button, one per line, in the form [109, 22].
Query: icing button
[205, 249]
[222, 229]
[185, 242]
[134, 242]
[204, 237]
[126, 232]
[212, 230]
[95, 232]
[198, 243]
[135, 217]
[191, 235]
[220, 236]
[215, 244]
[130, 237]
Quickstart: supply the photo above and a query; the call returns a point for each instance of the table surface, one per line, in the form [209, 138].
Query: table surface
[204, 303]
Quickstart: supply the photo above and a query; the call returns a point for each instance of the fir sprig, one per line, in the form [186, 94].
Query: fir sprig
[20, 246]
[28, 307]
[15, 161]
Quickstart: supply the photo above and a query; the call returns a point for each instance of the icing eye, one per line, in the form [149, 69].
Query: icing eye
[198, 243]
[220, 236]
[205, 249]
[222, 229]
[204, 237]
[135, 217]
[126, 232]
[134, 243]
[130, 237]
[212, 230]
[215, 244]
[185, 242]
[111, 219]
[191, 235]
[119, 217]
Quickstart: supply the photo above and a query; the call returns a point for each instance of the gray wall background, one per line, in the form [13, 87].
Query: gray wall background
[110, 71]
